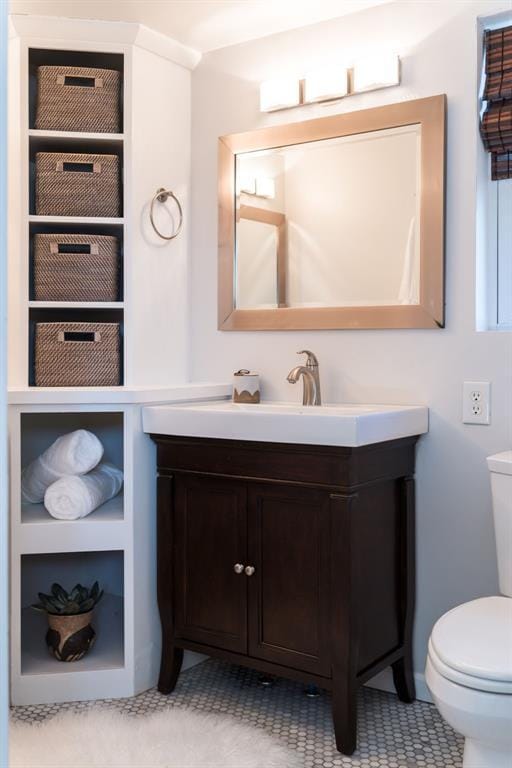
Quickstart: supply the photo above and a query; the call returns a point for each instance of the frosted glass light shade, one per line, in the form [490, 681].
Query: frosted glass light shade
[325, 84]
[378, 71]
[279, 94]
[261, 186]
[246, 184]
[265, 187]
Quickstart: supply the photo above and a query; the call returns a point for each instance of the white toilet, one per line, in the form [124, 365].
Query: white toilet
[469, 664]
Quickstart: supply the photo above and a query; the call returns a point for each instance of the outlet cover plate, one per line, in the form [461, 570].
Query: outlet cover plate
[476, 402]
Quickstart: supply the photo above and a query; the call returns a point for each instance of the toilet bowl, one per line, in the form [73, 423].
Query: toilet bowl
[469, 663]
[469, 674]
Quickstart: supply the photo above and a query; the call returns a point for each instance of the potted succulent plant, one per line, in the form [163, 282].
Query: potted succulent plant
[70, 634]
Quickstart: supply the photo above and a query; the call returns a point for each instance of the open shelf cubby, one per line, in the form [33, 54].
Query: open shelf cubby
[38, 432]
[90, 228]
[38, 573]
[75, 145]
[38, 57]
[76, 314]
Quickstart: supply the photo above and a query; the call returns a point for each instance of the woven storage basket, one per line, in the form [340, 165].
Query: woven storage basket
[69, 184]
[78, 99]
[77, 355]
[75, 268]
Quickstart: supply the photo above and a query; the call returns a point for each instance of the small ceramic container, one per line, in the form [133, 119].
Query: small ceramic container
[246, 387]
[69, 638]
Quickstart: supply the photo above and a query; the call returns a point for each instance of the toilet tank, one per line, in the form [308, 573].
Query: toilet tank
[500, 467]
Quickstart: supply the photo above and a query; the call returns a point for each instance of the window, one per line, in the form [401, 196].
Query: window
[503, 204]
[496, 133]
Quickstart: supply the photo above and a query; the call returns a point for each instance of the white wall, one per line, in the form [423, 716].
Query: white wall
[4, 546]
[438, 45]
[158, 269]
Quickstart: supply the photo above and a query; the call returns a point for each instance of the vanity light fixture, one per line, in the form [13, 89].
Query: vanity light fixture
[370, 73]
[279, 94]
[379, 71]
[325, 84]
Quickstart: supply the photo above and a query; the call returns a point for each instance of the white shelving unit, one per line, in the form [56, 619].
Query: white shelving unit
[101, 546]
[125, 526]
[116, 544]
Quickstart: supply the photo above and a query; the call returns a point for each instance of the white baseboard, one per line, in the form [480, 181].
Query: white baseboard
[383, 681]
[191, 658]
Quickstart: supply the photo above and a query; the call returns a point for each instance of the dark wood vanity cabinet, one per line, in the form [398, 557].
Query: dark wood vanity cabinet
[294, 560]
[210, 530]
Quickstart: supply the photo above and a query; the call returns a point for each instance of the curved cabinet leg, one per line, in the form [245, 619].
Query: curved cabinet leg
[403, 677]
[170, 667]
[172, 657]
[345, 636]
[344, 713]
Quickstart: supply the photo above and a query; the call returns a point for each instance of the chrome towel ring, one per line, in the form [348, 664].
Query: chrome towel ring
[162, 195]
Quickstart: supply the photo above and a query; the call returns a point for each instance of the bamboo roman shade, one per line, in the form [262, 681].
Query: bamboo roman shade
[496, 124]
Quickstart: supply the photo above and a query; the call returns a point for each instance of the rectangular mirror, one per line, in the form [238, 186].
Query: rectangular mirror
[335, 222]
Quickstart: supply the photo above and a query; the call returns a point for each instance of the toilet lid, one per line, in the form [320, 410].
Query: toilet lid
[468, 681]
[500, 463]
[475, 639]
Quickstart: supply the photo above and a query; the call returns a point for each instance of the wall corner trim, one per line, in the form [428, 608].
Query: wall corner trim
[166, 47]
[89, 30]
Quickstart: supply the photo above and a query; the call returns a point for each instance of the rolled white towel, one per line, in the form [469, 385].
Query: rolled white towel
[73, 454]
[71, 498]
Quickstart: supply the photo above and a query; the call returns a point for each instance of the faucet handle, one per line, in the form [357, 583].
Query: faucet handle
[312, 358]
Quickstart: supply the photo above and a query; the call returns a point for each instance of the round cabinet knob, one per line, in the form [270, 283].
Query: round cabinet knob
[238, 568]
[249, 570]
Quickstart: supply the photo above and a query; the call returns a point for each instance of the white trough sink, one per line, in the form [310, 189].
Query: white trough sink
[272, 422]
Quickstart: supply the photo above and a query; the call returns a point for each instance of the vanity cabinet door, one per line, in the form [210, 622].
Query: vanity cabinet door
[289, 589]
[210, 540]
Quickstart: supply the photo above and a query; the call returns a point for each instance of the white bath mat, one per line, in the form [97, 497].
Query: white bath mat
[174, 738]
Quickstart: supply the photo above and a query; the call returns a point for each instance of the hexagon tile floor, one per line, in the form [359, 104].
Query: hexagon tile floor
[391, 734]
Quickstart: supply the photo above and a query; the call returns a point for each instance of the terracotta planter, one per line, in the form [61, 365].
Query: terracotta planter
[69, 638]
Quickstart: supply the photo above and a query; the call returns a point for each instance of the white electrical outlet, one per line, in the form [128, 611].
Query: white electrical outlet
[476, 402]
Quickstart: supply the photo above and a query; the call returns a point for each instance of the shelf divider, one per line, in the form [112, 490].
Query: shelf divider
[35, 219]
[76, 305]
[35, 133]
[35, 515]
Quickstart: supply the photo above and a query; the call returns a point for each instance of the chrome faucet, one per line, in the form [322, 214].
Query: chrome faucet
[310, 377]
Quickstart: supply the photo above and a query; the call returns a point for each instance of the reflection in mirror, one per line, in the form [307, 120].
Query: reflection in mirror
[330, 223]
[260, 261]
